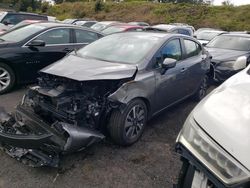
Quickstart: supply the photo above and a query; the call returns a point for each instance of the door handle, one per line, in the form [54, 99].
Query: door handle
[183, 70]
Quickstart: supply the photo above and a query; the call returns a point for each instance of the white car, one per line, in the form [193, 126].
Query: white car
[215, 140]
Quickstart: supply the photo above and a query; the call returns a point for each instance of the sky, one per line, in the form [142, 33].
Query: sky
[235, 2]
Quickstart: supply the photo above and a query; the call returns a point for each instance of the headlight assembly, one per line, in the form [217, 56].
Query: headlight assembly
[240, 63]
[207, 151]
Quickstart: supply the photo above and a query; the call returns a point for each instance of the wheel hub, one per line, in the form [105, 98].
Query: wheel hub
[4, 79]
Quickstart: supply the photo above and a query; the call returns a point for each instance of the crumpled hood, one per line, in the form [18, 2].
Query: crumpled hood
[82, 69]
[225, 116]
[225, 54]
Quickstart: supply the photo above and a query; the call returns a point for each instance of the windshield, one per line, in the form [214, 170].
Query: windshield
[21, 33]
[207, 35]
[120, 48]
[111, 30]
[98, 26]
[239, 43]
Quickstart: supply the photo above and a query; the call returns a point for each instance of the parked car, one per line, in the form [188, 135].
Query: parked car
[26, 50]
[230, 54]
[99, 26]
[185, 25]
[85, 23]
[116, 84]
[214, 141]
[20, 24]
[143, 24]
[207, 35]
[170, 29]
[121, 28]
[204, 29]
[12, 18]
[74, 20]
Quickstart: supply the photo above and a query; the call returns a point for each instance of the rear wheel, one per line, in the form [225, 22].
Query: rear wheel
[126, 127]
[7, 78]
[202, 90]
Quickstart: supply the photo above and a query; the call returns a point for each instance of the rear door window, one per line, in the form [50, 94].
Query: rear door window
[56, 36]
[192, 48]
[83, 36]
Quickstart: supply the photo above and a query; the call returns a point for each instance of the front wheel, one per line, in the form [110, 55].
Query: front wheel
[7, 78]
[126, 127]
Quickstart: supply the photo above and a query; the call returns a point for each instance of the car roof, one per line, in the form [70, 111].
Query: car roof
[161, 36]
[26, 13]
[54, 24]
[126, 26]
[237, 35]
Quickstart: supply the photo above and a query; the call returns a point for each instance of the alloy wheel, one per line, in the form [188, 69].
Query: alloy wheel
[135, 121]
[4, 79]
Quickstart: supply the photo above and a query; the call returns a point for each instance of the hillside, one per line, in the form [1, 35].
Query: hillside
[224, 17]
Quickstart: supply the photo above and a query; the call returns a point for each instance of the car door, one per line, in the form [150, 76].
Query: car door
[84, 37]
[170, 86]
[195, 60]
[58, 42]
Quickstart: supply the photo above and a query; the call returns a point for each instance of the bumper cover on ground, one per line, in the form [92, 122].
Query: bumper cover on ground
[29, 139]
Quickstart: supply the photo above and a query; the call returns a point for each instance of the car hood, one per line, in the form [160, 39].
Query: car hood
[82, 69]
[225, 54]
[225, 116]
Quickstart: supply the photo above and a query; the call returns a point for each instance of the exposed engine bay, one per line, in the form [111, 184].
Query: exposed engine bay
[58, 116]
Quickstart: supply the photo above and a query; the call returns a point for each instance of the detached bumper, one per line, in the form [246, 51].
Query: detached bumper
[27, 138]
[191, 164]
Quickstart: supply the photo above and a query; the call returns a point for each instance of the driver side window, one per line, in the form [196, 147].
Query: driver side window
[171, 50]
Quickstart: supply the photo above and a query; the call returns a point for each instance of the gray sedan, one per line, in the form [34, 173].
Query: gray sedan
[115, 84]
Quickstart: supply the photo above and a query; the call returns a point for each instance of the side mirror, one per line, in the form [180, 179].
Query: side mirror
[36, 43]
[6, 22]
[169, 63]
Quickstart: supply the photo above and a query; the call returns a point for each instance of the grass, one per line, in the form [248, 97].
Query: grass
[224, 17]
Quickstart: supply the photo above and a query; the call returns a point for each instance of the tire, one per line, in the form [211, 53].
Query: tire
[7, 78]
[125, 129]
[202, 90]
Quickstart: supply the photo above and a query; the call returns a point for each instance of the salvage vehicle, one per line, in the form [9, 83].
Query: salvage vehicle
[171, 29]
[113, 85]
[121, 28]
[85, 23]
[27, 49]
[10, 18]
[207, 35]
[99, 26]
[142, 24]
[230, 54]
[214, 141]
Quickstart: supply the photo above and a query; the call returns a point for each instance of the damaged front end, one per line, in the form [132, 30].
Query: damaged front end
[59, 116]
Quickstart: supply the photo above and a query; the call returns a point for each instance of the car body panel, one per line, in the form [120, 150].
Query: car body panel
[225, 116]
[82, 69]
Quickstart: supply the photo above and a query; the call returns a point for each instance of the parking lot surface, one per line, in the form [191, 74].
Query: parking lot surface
[151, 162]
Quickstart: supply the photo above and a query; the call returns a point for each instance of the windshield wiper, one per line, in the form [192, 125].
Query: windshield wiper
[2, 39]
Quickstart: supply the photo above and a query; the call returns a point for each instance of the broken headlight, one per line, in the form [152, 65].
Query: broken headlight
[240, 63]
[207, 151]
